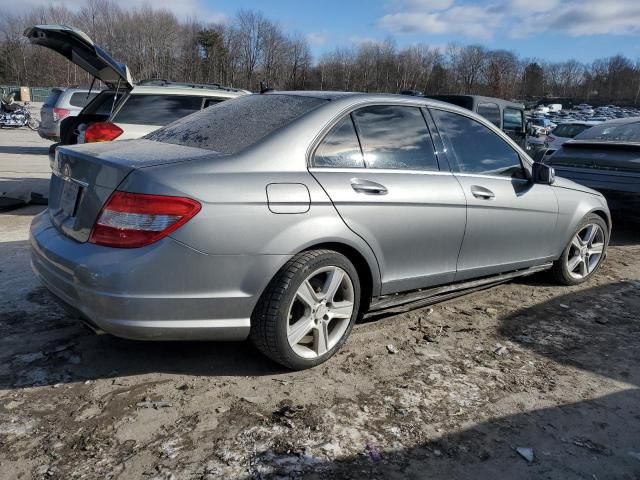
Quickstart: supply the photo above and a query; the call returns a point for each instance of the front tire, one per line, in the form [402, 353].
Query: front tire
[33, 124]
[308, 310]
[585, 252]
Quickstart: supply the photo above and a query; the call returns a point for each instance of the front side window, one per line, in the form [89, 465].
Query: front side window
[340, 148]
[491, 112]
[513, 119]
[473, 148]
[157, 109]
[395, 137]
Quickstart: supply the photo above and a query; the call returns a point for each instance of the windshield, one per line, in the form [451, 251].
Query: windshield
[569, 130]
[230, 127]
[614, 132]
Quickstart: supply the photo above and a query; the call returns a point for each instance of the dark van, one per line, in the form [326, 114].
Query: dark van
[507, 116]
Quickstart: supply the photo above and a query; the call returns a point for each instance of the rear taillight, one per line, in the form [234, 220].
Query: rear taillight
[102, 132]
[60, 113]
[131, 220]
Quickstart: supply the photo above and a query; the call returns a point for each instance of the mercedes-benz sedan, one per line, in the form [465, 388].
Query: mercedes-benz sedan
[283, 217]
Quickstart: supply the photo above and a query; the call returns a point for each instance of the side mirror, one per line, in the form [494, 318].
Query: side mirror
[543, 174]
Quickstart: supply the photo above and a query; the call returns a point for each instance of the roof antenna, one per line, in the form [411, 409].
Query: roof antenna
[264, 88]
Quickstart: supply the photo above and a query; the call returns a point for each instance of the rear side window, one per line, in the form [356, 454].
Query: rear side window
[491, 112]
[230, 127]
[474, 148]
[156, 109]
[395, 137]
[80, 99]
[340, 148]
[513, 119]
[51, 100]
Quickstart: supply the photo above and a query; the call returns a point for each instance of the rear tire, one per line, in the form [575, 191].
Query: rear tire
[584, 253]
[308, 309]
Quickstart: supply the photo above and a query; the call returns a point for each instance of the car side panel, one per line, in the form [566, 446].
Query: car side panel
[574, 205]
[238, 203]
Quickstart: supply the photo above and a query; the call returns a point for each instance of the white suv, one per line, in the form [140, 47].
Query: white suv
[146, 107]
[125, 110]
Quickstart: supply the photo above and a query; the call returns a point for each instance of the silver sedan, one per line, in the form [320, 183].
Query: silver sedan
[284, 217]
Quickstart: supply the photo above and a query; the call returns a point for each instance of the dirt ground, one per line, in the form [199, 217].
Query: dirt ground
[525, 380]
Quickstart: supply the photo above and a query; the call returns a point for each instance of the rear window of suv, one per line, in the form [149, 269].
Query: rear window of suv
[80, 99]
[157, 109]
[235, 125]
[52, 98]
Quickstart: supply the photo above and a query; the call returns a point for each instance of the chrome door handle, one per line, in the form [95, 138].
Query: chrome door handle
[368, 187]
[481, 192]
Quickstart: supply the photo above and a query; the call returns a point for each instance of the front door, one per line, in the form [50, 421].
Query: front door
[394, 196]
[511, 221]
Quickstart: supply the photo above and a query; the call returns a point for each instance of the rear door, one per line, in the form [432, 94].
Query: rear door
[47, 122]
[510, 220]
[379, 167]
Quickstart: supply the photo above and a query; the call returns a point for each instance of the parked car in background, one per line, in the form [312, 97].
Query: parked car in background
[124, 110]
[605, 157]
[283, 217]
[565, 132]
[60, 104]
[142, 109]
[507, 116]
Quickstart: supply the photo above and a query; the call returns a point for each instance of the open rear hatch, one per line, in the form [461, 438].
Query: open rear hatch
[76, 45]
[84, 177]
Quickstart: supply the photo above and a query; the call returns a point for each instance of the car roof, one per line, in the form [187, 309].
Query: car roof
[481, 99]
[179, 90]
[362, 97]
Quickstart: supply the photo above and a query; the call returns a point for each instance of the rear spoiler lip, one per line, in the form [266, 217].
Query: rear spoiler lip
[601, 144]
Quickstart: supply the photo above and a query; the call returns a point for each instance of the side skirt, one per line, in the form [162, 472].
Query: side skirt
[422, 298]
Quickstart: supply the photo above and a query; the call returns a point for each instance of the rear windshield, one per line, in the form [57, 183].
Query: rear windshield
[157, 109]
[52, 98]
[569, 131]
[627, 132]
[80, 99]
[232, 126]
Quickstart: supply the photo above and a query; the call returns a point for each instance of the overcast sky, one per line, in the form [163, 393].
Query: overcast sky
[547, 29]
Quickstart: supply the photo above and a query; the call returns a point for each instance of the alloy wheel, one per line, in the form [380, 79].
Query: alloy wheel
[320, 312]
[585, 253]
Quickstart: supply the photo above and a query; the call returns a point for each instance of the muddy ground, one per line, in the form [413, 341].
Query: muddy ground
[552, 371]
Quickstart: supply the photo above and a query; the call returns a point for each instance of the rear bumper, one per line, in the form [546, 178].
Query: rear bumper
[165, 291]
[50, 132]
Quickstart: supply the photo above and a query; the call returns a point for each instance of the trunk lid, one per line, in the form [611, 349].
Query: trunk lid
[76, 45]
[84, 176]
[608, 156]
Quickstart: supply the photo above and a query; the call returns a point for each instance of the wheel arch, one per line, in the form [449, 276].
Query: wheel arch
[604, 215]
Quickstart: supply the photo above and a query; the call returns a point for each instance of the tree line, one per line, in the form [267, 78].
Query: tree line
[252, 48]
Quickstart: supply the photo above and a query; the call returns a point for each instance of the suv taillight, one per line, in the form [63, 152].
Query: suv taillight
[60, 113]
[102, 132]
[130, 220]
